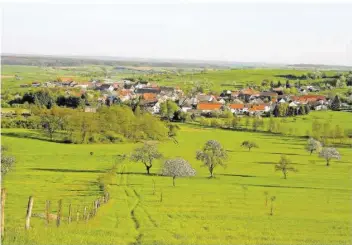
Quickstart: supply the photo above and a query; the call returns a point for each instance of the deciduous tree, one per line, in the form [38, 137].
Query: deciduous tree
[146, 154]
[329, 153]
[177, 167]
[284, 166]
[212, 155]
[313, 145]
[249, 144]
[336, 103]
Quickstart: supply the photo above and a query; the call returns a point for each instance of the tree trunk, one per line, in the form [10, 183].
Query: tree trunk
[148, 169]
[311, 151]
[285, 177]
[249, 149]
[271, 209]
[327, 162]
[173, 180]
[211, 172]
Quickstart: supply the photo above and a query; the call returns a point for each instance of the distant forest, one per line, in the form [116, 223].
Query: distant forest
[51, 61]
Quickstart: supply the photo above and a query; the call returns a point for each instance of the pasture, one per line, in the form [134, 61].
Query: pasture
[312, 206]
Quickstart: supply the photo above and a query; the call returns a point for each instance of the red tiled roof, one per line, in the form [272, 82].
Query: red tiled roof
[236, 106]
[149, 96]
[312, 97]
[257, 108]
[209, 106]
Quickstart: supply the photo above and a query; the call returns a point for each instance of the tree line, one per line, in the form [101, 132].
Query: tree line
[108, 125]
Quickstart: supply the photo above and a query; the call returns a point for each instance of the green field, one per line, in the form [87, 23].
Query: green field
[235, 78]
[312, 206]
[220, 79]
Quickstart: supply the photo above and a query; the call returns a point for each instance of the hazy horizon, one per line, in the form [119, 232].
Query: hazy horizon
[227, 32]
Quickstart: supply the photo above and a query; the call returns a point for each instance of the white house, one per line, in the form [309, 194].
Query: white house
[156, 108]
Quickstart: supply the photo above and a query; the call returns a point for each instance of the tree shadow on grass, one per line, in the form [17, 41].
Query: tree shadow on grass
[264, 152]
[31, 135]
[63, 170]
[283, 153]
[294, 187]
[239, 175]
[139, 173]
[274, 163]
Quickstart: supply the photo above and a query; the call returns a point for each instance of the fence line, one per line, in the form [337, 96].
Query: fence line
[88, 211]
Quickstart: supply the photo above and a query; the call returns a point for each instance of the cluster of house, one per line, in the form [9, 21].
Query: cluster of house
[245, 101]
[249, 101]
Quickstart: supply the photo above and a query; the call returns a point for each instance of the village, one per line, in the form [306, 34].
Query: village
[246, 101]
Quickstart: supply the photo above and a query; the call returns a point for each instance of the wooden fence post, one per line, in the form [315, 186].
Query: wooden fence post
[3, 198]
[69, 213]
[29, 212]
[59, 211]
[77, 217]
[95, 207]
[47, 212]
[106, 197]
[85, 213]
[87, 217]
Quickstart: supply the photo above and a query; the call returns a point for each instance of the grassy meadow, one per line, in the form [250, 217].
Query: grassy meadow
[312, 206]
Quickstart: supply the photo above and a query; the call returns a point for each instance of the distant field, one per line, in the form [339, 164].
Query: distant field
[301, 124]
[221, 79]
[235, 78]
[312, 206]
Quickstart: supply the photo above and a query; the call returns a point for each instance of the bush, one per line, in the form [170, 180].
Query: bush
[114, 137]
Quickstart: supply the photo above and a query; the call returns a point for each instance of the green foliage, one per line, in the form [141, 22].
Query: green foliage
[335, 104]
[146, 155]
[284, 166]
[212, 155]
[249, 144]
[168, 109]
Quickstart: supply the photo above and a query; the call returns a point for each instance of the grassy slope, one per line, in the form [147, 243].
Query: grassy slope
[312, 206]
[301, 124]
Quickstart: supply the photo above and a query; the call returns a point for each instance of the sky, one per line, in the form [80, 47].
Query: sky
[244, 32]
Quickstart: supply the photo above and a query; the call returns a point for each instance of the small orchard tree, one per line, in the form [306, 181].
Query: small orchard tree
[313, 145]
[7, 162]
[146, 154]
[172, 133]
[212, 155]
[249, 145]
[177, 167]
[272, 199]
[329, 153]
[284, 166]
